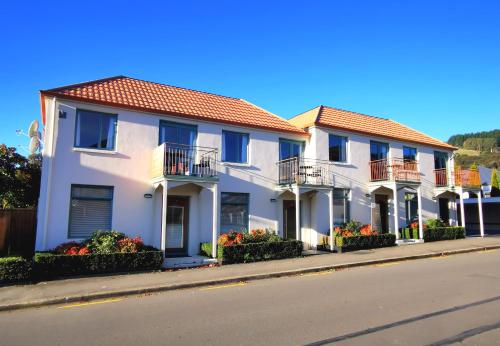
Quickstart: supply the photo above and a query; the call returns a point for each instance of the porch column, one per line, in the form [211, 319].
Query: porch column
[164, 217]
[480, 206]
[420, 220]
[298, 234]
[396, 211]
[215, 219]
[462, 208]
[330, 211]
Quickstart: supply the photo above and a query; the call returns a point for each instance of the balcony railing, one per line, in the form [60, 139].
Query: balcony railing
[171, 159]
[394, 169]
[467, 178]
[460, 177]
[305, 171]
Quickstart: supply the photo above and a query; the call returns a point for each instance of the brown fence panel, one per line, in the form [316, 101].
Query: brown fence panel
[17, 232]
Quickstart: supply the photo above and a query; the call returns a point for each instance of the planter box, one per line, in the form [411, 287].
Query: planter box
[254, 252]
[409, 233]
[47, 265]
[443, 233]
[343, 244]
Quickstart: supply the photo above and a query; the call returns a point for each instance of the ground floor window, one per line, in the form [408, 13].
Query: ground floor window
[234, 212]
[411, 207]
[90, 210]
[341, 206]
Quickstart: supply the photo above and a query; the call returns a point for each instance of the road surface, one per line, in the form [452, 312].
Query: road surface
[444, 301]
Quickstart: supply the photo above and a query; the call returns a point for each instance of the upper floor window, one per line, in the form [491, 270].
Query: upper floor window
[409, 154]
[440, 160]
[177, 133]
[378, 150]
[289, 149]
[337, 148]
[95, 130]
[235, 147]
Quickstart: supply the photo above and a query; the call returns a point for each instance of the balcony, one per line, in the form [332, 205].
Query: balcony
[180, 161]
[394, 169]
[304, 171]
[467, 178]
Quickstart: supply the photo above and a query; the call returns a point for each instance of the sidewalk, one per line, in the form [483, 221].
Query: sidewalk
[71, 290]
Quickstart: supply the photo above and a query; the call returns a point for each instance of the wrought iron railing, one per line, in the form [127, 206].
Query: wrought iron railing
[184, 160]
[441, 177]
[460, 177]
[394, 169]
[305, 171]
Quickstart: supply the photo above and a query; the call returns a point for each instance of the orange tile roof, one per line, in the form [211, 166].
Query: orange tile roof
[364, 124]
[130, 93]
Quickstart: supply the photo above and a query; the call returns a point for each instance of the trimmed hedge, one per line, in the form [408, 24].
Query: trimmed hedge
[14, 269]
[343, 244]
[443, 233]
[206, 249]
[254, 252]
[409, 233]
[47, 265]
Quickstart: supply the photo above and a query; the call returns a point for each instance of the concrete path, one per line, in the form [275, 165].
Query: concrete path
[451, 300]
[77, 289]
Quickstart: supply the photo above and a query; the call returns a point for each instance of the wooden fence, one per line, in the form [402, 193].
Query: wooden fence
[17, 232]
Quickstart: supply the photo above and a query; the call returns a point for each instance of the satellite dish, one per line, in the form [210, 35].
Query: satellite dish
[33, 129]
[34, 145]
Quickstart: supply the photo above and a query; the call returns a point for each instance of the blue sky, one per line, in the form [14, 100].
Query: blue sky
[433, 65]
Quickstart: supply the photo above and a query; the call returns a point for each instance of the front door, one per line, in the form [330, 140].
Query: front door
[177, 226]
[444, 211]
[383, 207]
[289, 224]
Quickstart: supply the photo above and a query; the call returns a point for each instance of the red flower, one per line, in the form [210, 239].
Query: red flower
[84, 251]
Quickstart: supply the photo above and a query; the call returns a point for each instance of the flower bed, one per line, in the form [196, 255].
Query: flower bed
[14, 269]
[443, 233]
[103, 252]
[356, 236]
[256, 245]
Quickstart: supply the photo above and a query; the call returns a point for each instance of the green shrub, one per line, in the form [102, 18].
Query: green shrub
[47, 265]
[433, 223]
[253, 252]
[104, 241]
[260, 236]
[206, 249]
[443, 233]
[13, 269]
[364, 242]
[410, 233]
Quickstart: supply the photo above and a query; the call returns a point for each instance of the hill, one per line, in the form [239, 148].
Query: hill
[481, 148]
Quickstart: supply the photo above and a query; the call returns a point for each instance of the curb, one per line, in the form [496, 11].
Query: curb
[255, 277]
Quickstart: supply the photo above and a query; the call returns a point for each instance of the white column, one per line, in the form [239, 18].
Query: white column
[396, 211]
[420, 220]
[297, 214]
[462, 208]
[480, 207]
[330, 211]
[164, 217]
[215, 219]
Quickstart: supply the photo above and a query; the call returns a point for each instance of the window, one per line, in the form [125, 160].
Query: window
[411, 207]
[409, 154]
[177, 133]
[341, 207]
[337, 148]
[440, 160]
[90, 210]
[378, 151]
[234, 147]
[95, 130]
[289, 149]
[234, 211]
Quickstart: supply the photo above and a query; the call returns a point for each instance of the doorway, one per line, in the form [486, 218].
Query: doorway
[383, 208]
[444, 210]
[289, 224]
[177, 226]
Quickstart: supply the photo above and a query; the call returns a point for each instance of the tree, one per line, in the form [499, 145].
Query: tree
[495, 181]
[19, 178]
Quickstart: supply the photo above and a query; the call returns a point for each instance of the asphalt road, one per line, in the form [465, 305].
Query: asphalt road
[445, 301]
